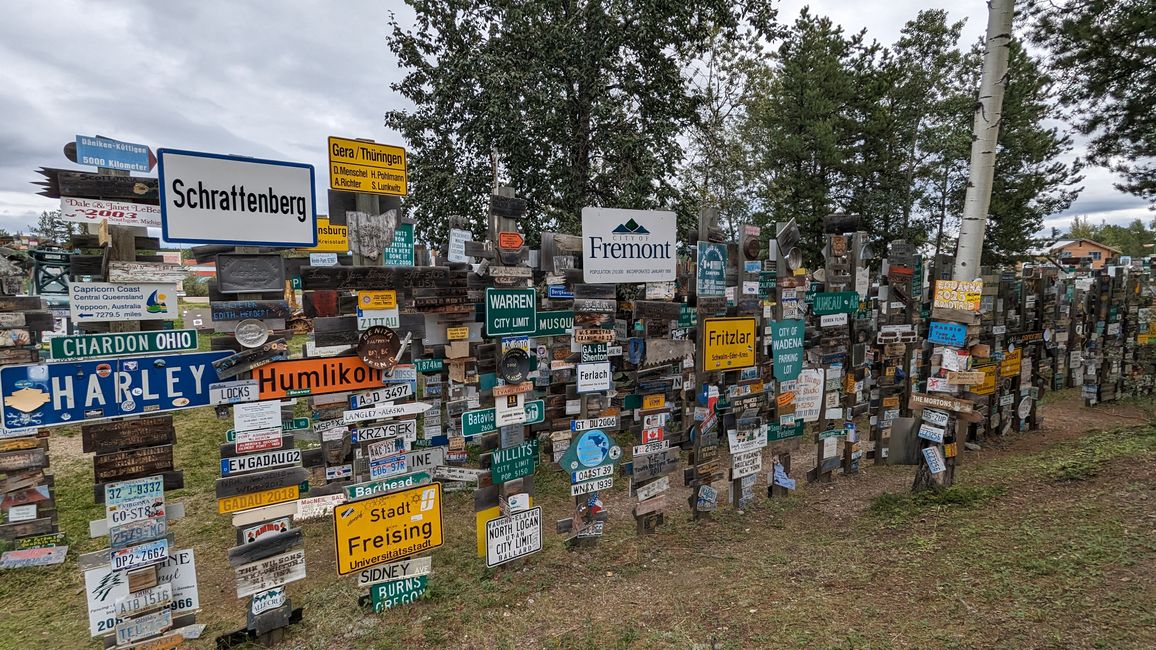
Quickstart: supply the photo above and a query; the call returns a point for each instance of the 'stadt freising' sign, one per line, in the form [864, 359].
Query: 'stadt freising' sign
[213, 199]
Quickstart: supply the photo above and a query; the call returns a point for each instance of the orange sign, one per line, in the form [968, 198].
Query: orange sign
[315, 377]
[511, 240]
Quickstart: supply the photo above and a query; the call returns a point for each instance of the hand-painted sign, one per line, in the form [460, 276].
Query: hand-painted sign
[214, 199]
[509, 538]
[265, 574]
[958, 294]
[387, 527]
[787, 342]
[945, 333]
[359, 166]
[628, 245]
[711, 277]
[400, 249]
[117, 213]
[66, 393]
[728, 343]
[511, 311]
[104, 301]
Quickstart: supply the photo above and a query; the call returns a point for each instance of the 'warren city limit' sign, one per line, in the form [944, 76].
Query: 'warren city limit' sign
[358, 166]
[117, 345]
[214, 199]
[511, 311]
[65, 393]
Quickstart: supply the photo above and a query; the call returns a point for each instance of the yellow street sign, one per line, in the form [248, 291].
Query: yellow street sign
[387, 527]
[356, 166]
[457, 333]
[374, 300]
[330, 238]
[653, 402]
[728, 343]
[257, 499]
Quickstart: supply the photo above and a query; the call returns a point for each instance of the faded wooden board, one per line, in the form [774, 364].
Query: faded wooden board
[132, 462]
[373, 277]
[260, 481]
[89, 185]
[247, 273]
[104, 437]
[242, 309]
[142, 272]
[264, 547]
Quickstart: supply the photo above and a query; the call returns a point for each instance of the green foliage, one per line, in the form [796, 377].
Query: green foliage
[1134, 239]
[195, 286]
[1102, 53]
[51, 231]
[898, 508]
[571, 103]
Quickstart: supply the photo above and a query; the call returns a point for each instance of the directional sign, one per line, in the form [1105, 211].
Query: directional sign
[213, 199]
[387, 527]
[511, 311]
[113, 154]
[71, 392]
[105, 301]
[486, 420]
[359, 166]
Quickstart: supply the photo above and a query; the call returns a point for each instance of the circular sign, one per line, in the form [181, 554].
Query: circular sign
[593, 448]
[752, 247]
[1025, 408]
[515, 366]
[378, 347]
[252, 333]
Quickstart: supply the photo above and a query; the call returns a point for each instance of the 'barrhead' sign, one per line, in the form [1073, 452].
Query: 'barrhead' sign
[628, 245]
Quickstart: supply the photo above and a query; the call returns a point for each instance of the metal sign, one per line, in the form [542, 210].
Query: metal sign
[712, 269]
[411, 568]
[387, 527]
[388, 595]
[515, 462]
[513, 537]
[113, 154]
[399, 252]
[122, 344]
[728, 343]
[628, 245]
[318, 376]
[213, 199]
[117, 213]
[104, 588]
[331, 238]
[70, 392]
[263, 575]
[842, 302]
[105, 301]
[944, 333]
[254, 462]
[787, 342]
[360, 166]
[511, 311]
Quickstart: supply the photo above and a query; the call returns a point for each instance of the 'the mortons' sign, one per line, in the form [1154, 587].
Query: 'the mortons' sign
[210, 199]
[628, 245]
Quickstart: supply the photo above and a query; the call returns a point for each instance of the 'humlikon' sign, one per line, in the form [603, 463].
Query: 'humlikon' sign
[628, 245]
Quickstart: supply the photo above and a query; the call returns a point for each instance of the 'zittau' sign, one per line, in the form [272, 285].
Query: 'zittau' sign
[387, 527]
[728, 343]
[359, 166]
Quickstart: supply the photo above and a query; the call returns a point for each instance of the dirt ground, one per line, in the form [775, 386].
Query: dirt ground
[1047, 541]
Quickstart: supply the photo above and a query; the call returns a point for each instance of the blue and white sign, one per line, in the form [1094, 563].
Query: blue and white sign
[712, 269]
[113, 154]
[934, 460]
[953, 334]
[213, 199]
[559, 292]
[67, 393]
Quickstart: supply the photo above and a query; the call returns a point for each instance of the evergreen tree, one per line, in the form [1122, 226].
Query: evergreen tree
[570, 102]
[50, 230]
[1102, 53]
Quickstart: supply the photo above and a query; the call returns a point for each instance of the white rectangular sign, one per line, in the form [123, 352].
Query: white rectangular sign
[214, 199]
[263, 575]
[457, 245]
[409, 568]
[593, 377]
[628, 245]
[509, 538]
[106, 301]
[118, 213]
[251, 416]
[104, 588]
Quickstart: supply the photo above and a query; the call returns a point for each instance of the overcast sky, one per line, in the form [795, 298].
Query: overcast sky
[266, 79]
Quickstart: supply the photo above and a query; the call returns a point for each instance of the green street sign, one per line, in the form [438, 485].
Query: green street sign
[361, 490]
[296, 424]
[768, 281]
[400, 250]
[784, 431]
[511, 311]
[429, 365]
[787, 342]
[554, 323]
[831, 433]
[514, 462]
[842, 302]
[486, 420]
[89, 346]
[387, 595]
[687, 317]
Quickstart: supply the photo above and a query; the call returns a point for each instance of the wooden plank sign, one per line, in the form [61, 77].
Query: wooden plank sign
[264, 547]
[267, 573]
[920, 400]
[966, 378]
[132, 462]
[104, 437]
[243, 309]
[250, 273]
[146, 272]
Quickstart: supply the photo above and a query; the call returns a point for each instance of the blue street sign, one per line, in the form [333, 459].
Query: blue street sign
[67, 393]
[114, 154]
[953, 334]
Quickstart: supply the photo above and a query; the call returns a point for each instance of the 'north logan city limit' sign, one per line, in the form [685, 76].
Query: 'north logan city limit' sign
[214, 199]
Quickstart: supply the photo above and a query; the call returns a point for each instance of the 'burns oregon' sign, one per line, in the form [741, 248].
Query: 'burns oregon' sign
[728, 343]
[388, 527]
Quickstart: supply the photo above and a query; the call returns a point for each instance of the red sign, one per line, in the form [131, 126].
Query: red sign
[510, 240]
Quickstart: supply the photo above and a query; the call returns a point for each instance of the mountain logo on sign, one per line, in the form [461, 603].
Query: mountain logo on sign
[155, 304]
[631, 227]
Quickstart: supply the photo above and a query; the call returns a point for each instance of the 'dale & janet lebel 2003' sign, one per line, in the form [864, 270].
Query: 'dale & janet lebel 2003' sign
[628, 245]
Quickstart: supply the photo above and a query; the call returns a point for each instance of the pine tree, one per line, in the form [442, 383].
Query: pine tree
[50, 230]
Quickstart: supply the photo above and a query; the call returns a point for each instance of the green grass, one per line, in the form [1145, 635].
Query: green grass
[902, 508]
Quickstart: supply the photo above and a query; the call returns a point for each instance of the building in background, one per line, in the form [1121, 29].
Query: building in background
[1074, 252]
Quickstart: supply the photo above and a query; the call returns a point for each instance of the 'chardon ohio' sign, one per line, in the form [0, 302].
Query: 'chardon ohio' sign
[213, 199]
[628, 245]
[65, 393]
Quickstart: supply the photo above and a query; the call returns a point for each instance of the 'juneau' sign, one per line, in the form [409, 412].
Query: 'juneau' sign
[628, 245]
